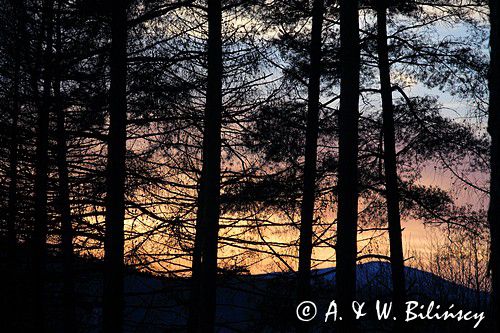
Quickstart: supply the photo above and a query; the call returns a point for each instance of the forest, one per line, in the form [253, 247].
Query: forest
[207, 165]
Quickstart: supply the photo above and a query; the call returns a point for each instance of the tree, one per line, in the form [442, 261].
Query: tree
[17, 47]
[113, 297]
[202, 315]
[347, 209]
[311, 145]
[39, 248]
[64, 205]
[494, 131]
[390, 164]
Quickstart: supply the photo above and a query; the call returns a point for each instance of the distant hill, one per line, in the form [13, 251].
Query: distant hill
[252, 303]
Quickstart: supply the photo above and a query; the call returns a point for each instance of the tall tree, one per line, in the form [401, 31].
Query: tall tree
[64, 207]
[311, 147]
[17, 8]
[494, 131]
[39, 248]
[347, 210]
[390, 163]
[202, 316]
[113, 297]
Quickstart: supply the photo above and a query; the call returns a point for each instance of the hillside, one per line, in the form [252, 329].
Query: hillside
[256, 303]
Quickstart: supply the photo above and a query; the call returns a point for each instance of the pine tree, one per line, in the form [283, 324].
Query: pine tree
[347, 209]
[494, 131]
[113, 294]
[311, 145]
[390, 164]
[203, 311]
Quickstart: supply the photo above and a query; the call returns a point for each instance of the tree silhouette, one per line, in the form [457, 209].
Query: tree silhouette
[493, 130]
[113, 298]
[390, 165]
[309, 177]
[347, 210]
[207, 221]
[39, 247]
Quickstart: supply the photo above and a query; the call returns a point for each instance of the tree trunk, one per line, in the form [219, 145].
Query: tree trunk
[11, 286]
[309, 180]
[494, 131]
[390, 166]
[347, 214]
[10, 300]
[64, 193]
[113, 297]
[202, 316]
[39, 247]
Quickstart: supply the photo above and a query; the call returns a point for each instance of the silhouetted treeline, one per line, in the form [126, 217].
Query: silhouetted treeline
[203, 139]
